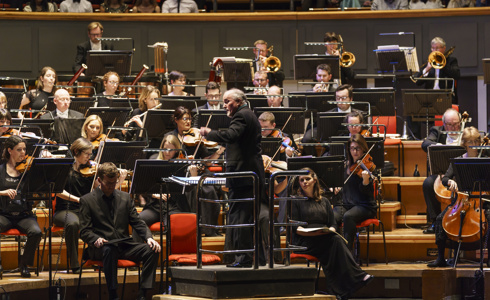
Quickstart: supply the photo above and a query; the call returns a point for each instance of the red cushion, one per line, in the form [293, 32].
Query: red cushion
[393, 142]
[57, 228]
[191, 259]
[215, 169]
[368, 222]
[304, 256]
[155, 227]
[183, 233]
[121, 263]
[13, 231]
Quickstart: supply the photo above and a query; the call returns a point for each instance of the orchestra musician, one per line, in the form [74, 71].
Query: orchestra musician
[38, 98]
[213, 96]
[357, 194]
[93, 128]
[277, 100]
[261, 83]
[178, 78]
[94, 31]
[111, 83]
[345, 277]
[332, 48]
[105, 216]
[62, 101]
[242, 139]
[3, 101]
[324, 75]
[148, 99]
[451, 121]
[471, 137]
[267, 121]
[354, 118]
[15, 211]
[6, 119]
[261, 53]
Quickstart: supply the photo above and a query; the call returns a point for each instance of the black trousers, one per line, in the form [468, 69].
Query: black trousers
[69, 220]
[149, 216]
[27, 224]
[350, 217]
[433, 206]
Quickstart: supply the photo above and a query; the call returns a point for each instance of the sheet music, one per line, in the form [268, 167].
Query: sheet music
[194, 180]
[411, 58]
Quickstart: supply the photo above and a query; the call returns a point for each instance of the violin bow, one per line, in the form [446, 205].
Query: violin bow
[359, 162]
[282, 137]
[200, 139]
[99, 155]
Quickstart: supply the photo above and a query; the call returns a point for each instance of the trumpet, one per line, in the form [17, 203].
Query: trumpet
[272, 63]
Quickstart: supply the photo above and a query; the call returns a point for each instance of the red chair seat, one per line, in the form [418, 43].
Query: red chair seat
[368, 222]
[121, 263]
[191, 259]
[393, 142]
[13, 231]
[305, 256]
[155, 227]
[215, 169]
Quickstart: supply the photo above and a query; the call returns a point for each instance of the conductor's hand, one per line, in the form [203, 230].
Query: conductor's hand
[453, 186]
[153, 245]
[11, 193]
[100, 242]
[205, 131]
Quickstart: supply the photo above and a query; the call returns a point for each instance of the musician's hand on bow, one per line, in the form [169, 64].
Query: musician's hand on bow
[157, 196]
[453, 186]
[365, 177]
[11, 193]
[192, 170]
[336, 190]
[153, 245]
[100, 242]
[205, 131]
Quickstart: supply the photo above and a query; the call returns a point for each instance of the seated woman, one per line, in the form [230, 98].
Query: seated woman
[114, 6]
[146, 6]
[111, 83]
[147, 100]
[178, 80]
[6, 119]
[92, 129]
[40, 6]
[343, 275]
[471, 137]
[45, 88]
[358, 193]
[16, 212]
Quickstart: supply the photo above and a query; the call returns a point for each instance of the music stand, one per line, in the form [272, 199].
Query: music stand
[382, 100]
[305, 65]
[330, 124]
[440, 155]
[47, 176]
[237, 71]
[123, 102]
[111, 116]
[473, 174]
[392, 61]
[80, 104]
[377, 153]
[313, 102]
[66, 131]
[486, 70]
[14, 96]
[220, 119]
[257, 101]
[40, 127]
[154, 175]
[294, 116]
[270, 145]
[329, 169]
[190, 104]
[120, 153]
[103, 61]
[158, 121]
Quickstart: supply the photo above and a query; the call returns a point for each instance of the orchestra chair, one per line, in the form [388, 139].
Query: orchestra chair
[155, 228]
[98, 265]
[309, 259]
[15, 232]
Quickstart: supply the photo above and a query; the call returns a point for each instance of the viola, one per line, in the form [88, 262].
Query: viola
[366, 133]
[286, 142]
[24, 165]
[366, 164]
[102, 137]
[193, 136]
[271, 166]
[89, 169]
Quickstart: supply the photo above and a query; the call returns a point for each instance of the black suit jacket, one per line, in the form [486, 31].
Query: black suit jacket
[243, 149]
[450, 70]
[95, 220]
[435, 136]
[82, 49]
[72, 114]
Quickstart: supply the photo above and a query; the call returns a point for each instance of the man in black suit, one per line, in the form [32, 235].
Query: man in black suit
[105, 216]
[451, 122]
[62, 101]
[243, 153]
[95, 30]
[450, 70]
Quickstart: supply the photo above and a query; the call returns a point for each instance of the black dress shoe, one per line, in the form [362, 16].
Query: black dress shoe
[430, 230]
[239, 265]
[75, 270]
[24, 272]
[438, 263]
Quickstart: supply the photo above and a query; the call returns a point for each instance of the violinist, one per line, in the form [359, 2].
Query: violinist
[6, 119]
[355, 118]
[471, 137]
[16, 212]
[92, 129]
[38, 98]
[358, 192]
[179, 80]
[111, 83]
[267, 122]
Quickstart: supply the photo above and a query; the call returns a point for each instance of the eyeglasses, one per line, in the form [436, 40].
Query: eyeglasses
[342, 98]
[262, 79]
[355, 148]
[186, 119]
[64, 100]
[213, 96]
[87, 153]
[113, 82]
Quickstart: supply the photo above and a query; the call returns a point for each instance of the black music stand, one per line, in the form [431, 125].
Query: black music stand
[486, 70]
[121, 153]
[40, 127]
[103, 61]
[154, 176]
[382, 100]
[426, 103]
[190, 104]
[157, 122]
[270, 145]
[47, 176]
[473, 175]
[329, 169]
[14, 96]
[66, 131]
[330, 124]
[392, 61]
[292, 117]
[111, 116]
[219, 120]
[440, 155]
[377, 153]
[123, 102]
[80, 104]
[257, 101]
[305, 65]
[234, 72]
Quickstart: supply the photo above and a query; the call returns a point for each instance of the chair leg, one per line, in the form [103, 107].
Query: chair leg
[384, 240]
[124, 283]
[80, 279]
[367, 246]
[100, 283]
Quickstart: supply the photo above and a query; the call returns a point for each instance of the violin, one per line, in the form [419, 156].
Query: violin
[271, 166]
[24, 165]
[102, 137]
[366, 133]
[89, 169]
[286, 142]
[193, 136]
[366, 164]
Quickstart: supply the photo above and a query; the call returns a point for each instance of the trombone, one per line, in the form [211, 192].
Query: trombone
[272, 63]
[437, 60]
[347, 59]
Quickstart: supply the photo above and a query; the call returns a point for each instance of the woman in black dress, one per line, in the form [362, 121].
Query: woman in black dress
[343, 275]
[111, 83]
[45, 88]
[16, 212]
